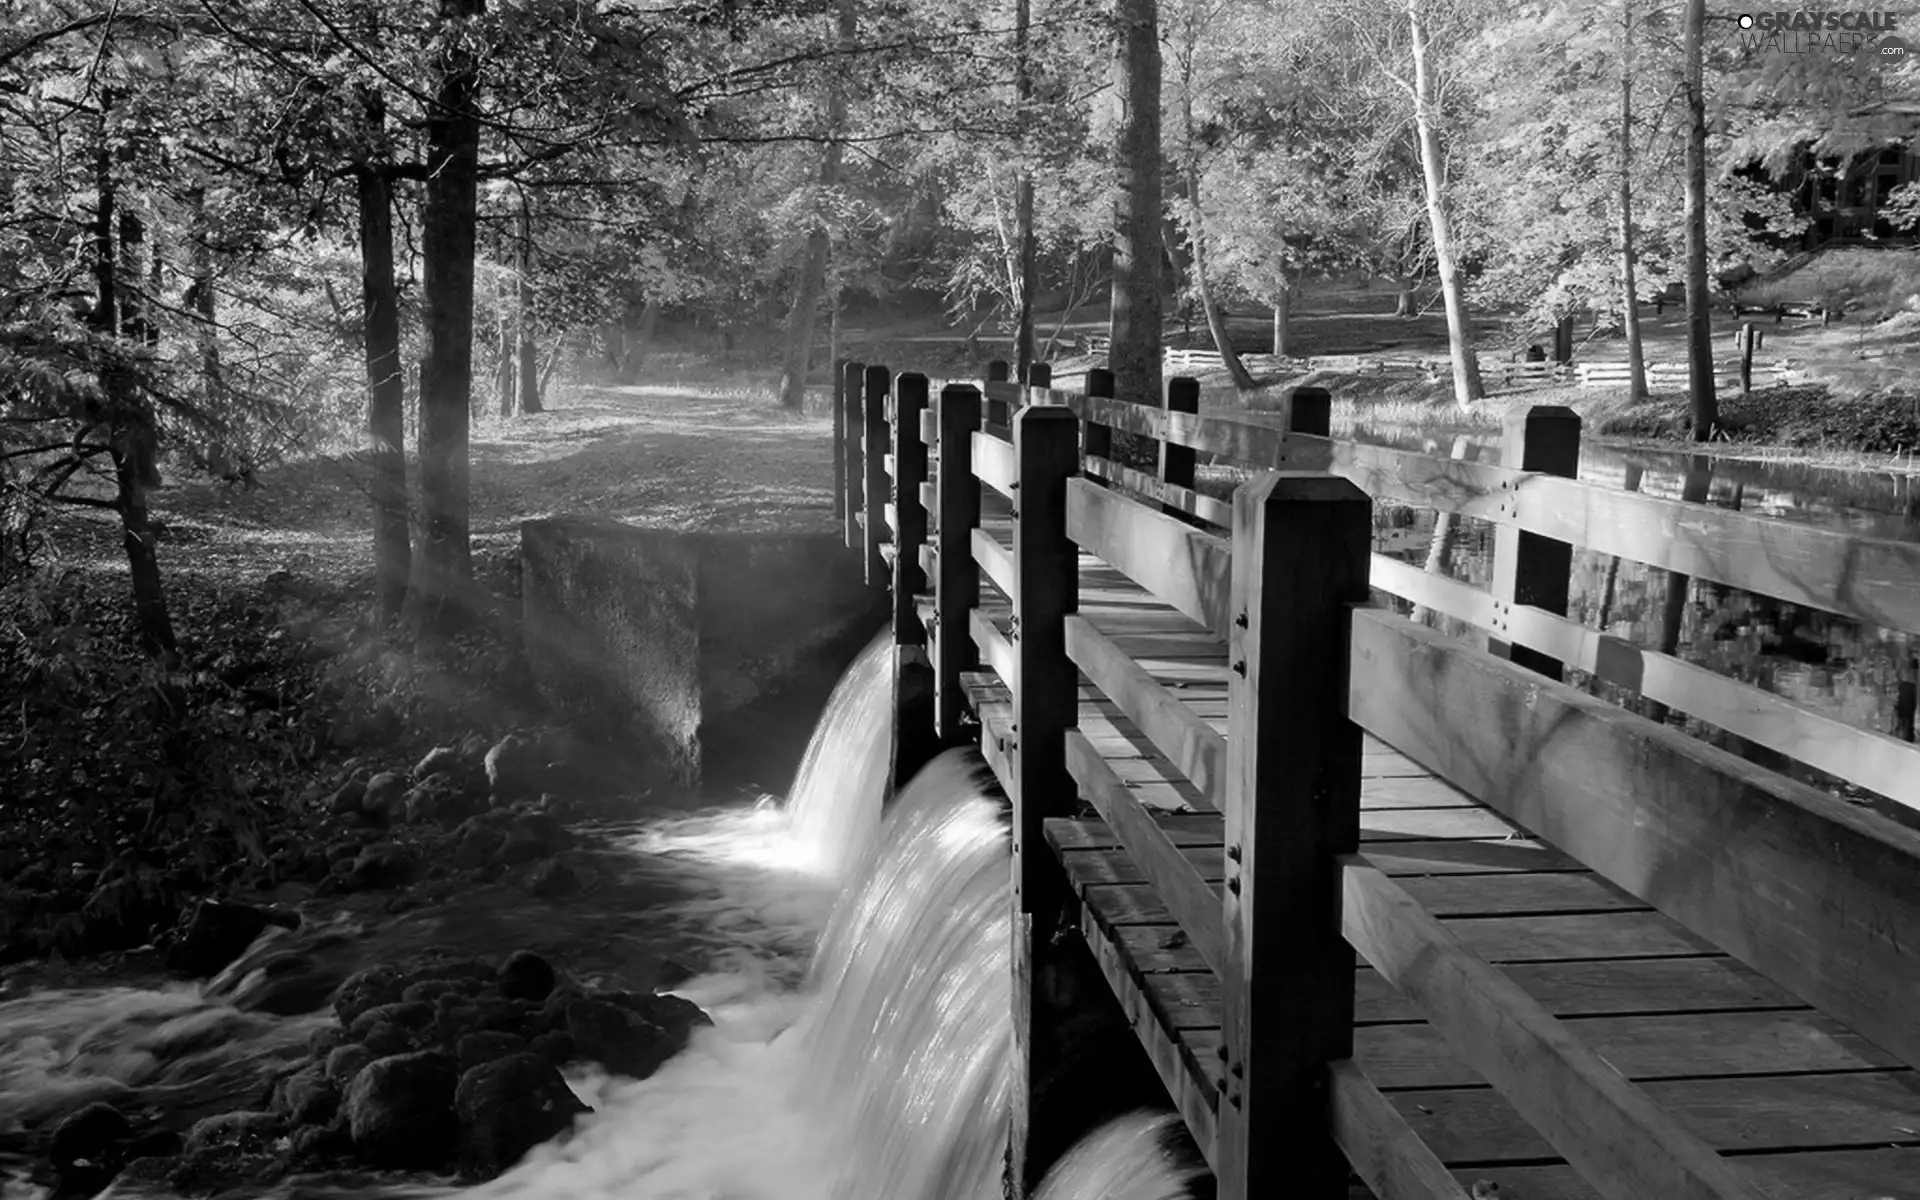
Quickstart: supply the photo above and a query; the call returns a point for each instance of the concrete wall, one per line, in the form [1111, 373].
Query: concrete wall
[688, 642]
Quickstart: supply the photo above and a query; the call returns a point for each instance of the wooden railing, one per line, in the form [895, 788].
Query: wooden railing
[1810, 891]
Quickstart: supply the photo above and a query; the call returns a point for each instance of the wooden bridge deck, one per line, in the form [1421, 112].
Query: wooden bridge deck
[1803, 1106]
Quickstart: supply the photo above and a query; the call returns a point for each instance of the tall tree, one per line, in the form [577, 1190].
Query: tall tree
[1701, 400]
[1027, 247]
[1193, 22]
[1134, 331]
[1426, 117]
[386, 380]
[1629, 289]
[443, 570]
[798, 359]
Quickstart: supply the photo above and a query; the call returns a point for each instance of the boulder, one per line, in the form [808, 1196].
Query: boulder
[364, 990]
[440, 758]
[515, 769]
[556, 1046]
[346, 1062]
[622, 1041]
[383, 794]
[90, 1136]
[675, 1014]
[349, 797]
[485, 1046]
[235, 1131]
[219, 932]
[520, 847]
[287, 984]
[400, 1111]
[526, 976]
[385, 865]
[308, 1097]
[509, 1106]
[439, 798]
[385, 1040]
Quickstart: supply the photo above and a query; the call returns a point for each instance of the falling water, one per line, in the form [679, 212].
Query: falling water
[880, 1073]
[834, 804]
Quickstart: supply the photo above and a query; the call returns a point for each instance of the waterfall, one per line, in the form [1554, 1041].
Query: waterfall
[862, 1038]
[834, 804]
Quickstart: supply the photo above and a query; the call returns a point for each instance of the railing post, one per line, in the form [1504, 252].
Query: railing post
[1177, 462]
[1099, 438]
[1309, 411]
[1039, 375]
[1527, 568]
[874, 486]
[957, 591]
[1046, 447]
[1292, 805]
[997, 413]
[850, 429]
[909, 472]
[840, 439]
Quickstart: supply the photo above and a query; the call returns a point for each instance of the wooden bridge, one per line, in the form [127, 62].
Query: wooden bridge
[1391, 912]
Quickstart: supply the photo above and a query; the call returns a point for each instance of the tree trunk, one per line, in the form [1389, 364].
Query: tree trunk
[813, 272]
[443, 570]
[505, 380]
[1403, 299]
[1466, 366]
[1134, 331]
[133, 439]
[204, 303]
[1700, 396]
[523, 305]
[1630, 293]
[1282, 318]
[1694, 489]
[1023, 237]
[386, 385]
[1197, 246]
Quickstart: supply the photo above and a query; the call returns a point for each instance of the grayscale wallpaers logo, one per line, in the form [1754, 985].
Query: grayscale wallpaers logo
[1868, 33]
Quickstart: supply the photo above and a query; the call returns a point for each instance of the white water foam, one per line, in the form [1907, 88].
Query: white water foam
[862, 1020]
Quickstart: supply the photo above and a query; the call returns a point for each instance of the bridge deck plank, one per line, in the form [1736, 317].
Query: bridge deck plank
[1811, 1109]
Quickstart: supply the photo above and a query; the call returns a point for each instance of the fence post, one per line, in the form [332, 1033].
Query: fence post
[839, 439]
[998, 414]
[874, 488]
[1039, 375]
[1099, 438]
[1527, 568]
[1177, 462]
[910, 515]
[1310, 411]
[1046, 448]
[957, 591]
[1300, 553]
[850, 429]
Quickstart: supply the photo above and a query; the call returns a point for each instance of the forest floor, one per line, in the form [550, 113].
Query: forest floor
[255, 784]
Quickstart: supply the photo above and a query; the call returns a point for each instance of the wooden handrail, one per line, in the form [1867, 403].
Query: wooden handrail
[995, 650]
[1619, 1141]
[1184, 566]
[1189, 743]
[1872, 760]
[993, 462]
[996, 560]
[1684, 826]
[1875, 580]
[1186, 893]
[1386, 1153]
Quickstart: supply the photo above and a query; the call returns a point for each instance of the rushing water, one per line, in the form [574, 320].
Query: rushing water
[860, 992]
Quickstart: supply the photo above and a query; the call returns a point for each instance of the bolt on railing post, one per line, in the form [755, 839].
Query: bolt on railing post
[957, 589]
[1527, 568]
[910, 515]
[851, 430]
[1046, 584]
[874, 488]
[1292, 806]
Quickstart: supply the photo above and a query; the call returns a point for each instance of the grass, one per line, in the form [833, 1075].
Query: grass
[1872, 283]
